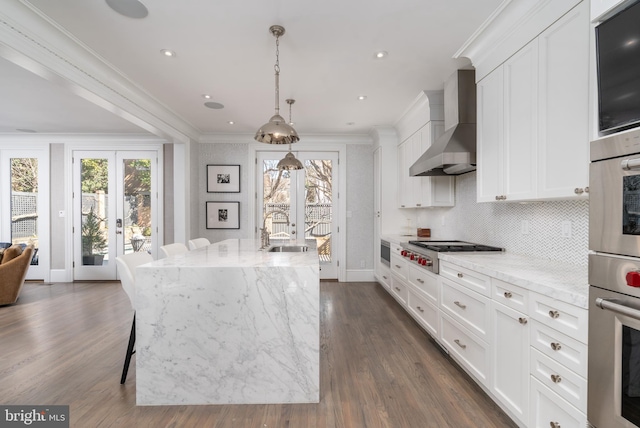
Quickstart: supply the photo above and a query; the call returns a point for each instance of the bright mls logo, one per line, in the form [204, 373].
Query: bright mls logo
[34, 416]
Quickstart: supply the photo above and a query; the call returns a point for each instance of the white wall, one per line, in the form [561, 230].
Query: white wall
[360, 205]
[500, 224]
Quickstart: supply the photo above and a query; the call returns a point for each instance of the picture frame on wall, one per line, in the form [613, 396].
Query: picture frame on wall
[223, 215]
[223, 178]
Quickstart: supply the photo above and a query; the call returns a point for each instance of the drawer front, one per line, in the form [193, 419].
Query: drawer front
[385, 276]
[468, 308]
[475, 281]
[425, 282]
[569, 319]
[395, 249]
[559, 379]
[510, 295]
[469, 351]
[548, 409]
[424, 312]
[560, 347]
[399, 290]
[399, 267]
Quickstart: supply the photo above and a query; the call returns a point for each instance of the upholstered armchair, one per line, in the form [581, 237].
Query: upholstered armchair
[13, 270]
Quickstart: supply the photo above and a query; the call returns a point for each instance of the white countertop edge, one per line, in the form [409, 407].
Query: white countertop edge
[561, 281]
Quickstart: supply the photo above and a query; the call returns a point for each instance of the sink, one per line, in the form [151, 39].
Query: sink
[288, 249]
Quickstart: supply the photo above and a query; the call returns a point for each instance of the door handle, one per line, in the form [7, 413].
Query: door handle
[630, 164]
[613, 305]
[118, 226]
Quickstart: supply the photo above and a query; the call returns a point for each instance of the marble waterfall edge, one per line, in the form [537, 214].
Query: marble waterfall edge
[227, 335]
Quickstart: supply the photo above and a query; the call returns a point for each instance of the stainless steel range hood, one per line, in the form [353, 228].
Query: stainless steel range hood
[454, 153]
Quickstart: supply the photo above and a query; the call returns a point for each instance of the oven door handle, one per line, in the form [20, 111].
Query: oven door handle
[630, 164]
[613, 306]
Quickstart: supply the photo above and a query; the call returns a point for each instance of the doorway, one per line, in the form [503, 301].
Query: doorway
[301, 205]
[24, 174]
[115, 206]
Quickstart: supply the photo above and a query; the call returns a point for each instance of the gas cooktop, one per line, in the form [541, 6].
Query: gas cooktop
[452, 246]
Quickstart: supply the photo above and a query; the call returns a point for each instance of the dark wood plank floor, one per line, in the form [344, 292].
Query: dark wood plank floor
[64, 344]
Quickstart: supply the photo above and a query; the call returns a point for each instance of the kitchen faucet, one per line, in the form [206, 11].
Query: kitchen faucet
[264, 234]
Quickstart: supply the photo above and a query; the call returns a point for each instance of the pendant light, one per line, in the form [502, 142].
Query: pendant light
[289, 162]
[277, 131]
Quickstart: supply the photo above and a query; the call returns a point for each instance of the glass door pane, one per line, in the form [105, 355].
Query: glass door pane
[94, 182]
[24, 204]
[278, 199]
[137, 207]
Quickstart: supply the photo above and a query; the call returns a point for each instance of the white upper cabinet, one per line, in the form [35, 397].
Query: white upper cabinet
[602, 9]
[417, 130]
[533, 117]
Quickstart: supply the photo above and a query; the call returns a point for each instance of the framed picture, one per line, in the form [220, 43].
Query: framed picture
[223, 178]
[223, 215]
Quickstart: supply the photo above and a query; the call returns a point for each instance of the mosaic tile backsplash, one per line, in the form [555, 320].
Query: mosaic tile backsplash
[501, 224]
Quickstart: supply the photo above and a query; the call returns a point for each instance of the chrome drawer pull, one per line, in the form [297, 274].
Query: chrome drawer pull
[522, 320]
[397, 289]
[554, 314]
[508, 295]
[460, 344]
[384, 277]
[556, 378]
[460, 305]
[460, 275]
[399, 267]
[554, 425]
[420, 281]
[419, 308]
[556, 346]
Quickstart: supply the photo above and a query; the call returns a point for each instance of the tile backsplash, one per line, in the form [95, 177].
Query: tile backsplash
[503, 224]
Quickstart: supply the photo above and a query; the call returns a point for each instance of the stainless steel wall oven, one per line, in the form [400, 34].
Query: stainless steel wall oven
[385, 252]
[614, 278]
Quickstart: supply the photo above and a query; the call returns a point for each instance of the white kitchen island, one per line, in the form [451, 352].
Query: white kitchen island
[228, 324]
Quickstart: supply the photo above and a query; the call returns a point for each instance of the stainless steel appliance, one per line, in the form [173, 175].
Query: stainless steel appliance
[385, 253]
[614, 278]
[425, 253]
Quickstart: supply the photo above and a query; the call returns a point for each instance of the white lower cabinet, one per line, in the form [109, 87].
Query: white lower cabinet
[471, 352]
[548, 409]
[425, 313]
[399, 290]
[385, 276]
[510, 359]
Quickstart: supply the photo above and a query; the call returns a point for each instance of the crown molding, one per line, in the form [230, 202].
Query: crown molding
[306, 138]
[31, 40]
[102, 139]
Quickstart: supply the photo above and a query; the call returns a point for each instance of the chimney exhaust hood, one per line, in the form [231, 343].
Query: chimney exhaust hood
[454, 152]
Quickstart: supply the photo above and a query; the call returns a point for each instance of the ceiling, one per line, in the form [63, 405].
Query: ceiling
[224, 49]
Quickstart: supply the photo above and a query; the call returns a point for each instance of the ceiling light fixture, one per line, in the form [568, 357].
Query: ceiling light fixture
[362, 97]
[277, 131]
[213, 105]
[231, 122]
[381, 54]
[169, 53]
[289, 162]
[206, 96]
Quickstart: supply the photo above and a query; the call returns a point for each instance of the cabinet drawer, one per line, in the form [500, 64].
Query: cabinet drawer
[510, 295]
[424, 312]
[559, 379]
[560, 347]
[424, 281]
[399, 267]
[548, 409]
[570, 320]
[399, 290]
[471, 352]
[475, 281]
[395, 248]
[467, 307]
[385, 276]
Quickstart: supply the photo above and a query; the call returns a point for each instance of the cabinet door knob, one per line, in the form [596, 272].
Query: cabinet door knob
[556, 378]
[508, 295]
[578, 191]
[460, 275]
[497, 197]
[522, 320]
[556, 346]
[554, 314]
[554, 425]
[586, 189]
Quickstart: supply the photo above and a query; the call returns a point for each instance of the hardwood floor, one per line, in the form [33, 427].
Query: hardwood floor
[65, 344]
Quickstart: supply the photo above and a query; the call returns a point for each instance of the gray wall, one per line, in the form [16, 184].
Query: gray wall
[57, 204]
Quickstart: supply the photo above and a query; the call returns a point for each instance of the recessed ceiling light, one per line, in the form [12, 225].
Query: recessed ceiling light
[381, 54]
[130, 8]
[167, 52]
[206, 96]
[231, 122]
[28, 131]
[362, 97]
[213, 105]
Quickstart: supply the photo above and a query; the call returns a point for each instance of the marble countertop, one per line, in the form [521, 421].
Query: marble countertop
[561, 281]
[244, 253]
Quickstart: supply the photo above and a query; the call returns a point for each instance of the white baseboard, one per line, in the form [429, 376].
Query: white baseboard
[360, 275]
[60, 275]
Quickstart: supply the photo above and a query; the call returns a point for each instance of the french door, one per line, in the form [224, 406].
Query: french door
[24, 202]
[115, 206]
[300, 205]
